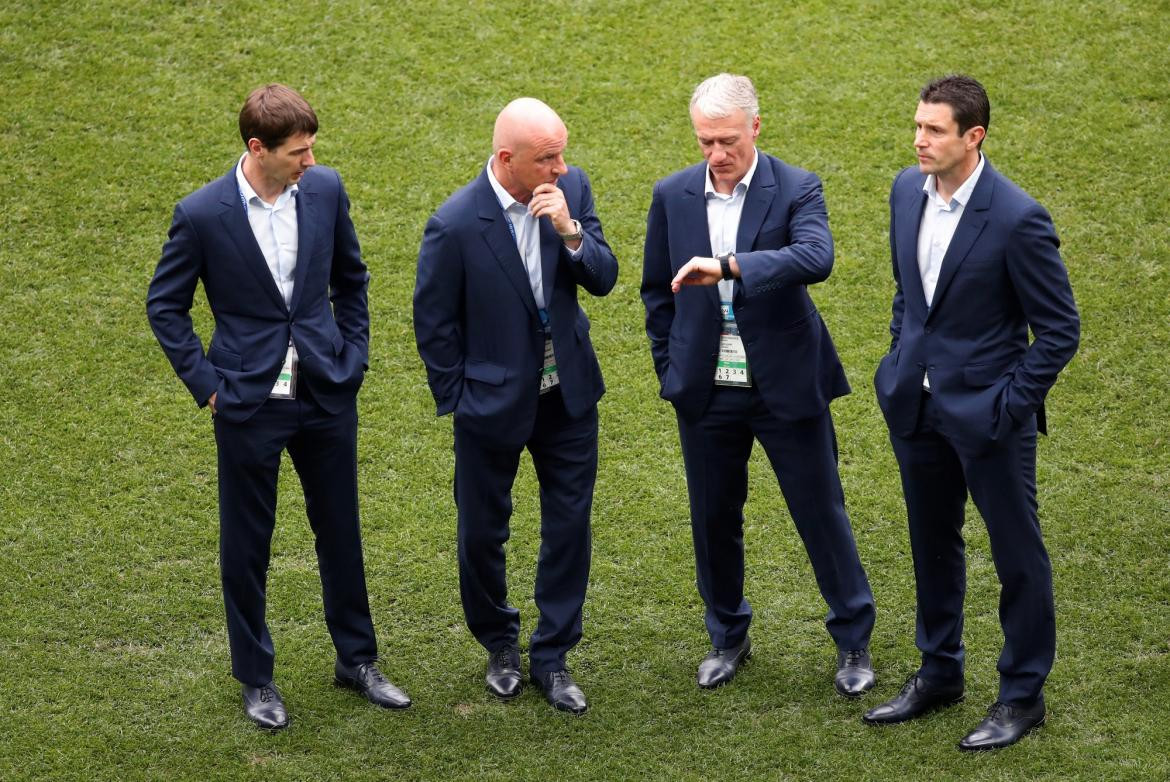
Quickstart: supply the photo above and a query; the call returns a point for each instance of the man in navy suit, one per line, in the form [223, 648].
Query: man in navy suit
[742, 353]
[976, 264]
[273, 244]
[506, 348]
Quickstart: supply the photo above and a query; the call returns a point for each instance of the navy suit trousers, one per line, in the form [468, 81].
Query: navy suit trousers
[564, 454]
[803, 454]
[936, 477]
[323, 448]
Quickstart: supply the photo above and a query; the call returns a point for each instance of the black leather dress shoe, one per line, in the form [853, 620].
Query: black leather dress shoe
[265, 707]
[561, 691]
[854, 673]
[369, 681]
[503, 678]
[918, 696]
[1003, 726]
[720, 665]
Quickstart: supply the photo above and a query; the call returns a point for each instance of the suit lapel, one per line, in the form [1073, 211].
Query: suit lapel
[970, 225]
[908, 220]
[306, 235]
[758, 199]
[499, 240]
[235, 221]
[694, 207]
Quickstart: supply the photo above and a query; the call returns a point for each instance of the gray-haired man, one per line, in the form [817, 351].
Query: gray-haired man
[743, 355]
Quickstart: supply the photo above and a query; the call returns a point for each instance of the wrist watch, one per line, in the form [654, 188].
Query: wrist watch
[725, 265]
[576, 235]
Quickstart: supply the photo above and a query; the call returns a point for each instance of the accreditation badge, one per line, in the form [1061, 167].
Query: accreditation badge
[732, 367]
[548, 375]
[286, 382]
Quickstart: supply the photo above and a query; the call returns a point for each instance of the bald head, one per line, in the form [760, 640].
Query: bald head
[528, 145]
[522, 120]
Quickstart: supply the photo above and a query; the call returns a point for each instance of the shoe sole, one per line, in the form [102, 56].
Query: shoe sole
[351, 685]
[923, 713]
[271, 728]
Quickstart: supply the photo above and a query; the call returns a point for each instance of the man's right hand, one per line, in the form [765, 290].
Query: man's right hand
[211, 401]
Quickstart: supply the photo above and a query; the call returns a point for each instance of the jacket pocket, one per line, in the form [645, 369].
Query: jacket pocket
[484, 372]
[983, 375]
[225, 359]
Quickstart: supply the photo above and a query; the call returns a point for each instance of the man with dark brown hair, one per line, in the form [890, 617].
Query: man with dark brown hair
[977, 266]
[274, 247]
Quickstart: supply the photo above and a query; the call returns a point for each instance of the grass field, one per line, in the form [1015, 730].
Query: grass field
[113, 654]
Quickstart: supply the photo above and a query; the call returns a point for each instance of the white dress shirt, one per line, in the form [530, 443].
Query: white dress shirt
[723, 213]
[526, 232]
[939, 220]
[275, 228]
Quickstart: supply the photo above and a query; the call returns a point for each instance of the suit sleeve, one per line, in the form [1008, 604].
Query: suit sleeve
[595, 268]
[898, 307]
[808, 256]
[349, 281]
[656, 277]
[168, 308]
[438, 297]
[1042, 287]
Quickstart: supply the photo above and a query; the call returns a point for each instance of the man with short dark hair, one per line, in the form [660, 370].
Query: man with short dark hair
[732, 245]
[274, 247]
[507, 350]
[977, 265]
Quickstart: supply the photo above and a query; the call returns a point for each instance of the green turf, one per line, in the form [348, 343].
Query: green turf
[113, 657]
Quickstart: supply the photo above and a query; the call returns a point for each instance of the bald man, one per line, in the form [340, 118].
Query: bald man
[507, 350]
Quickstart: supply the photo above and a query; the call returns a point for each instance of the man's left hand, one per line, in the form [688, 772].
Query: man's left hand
[700, 271]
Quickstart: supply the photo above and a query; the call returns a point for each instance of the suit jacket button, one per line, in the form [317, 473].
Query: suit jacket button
[929, 330]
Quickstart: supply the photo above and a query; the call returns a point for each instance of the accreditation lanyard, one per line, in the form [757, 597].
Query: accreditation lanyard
[549, 379]
[731, 369]
[285, 386]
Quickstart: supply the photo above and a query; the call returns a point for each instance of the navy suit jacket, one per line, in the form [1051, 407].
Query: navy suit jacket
[475, 318]
[1001, 275]
[211, 240]
[783, 246]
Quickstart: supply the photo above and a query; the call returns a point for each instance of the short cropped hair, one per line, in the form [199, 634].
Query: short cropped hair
[721, 95]
[274, 112]
[966, 97]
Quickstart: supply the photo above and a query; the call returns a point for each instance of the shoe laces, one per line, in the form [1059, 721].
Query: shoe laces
[267, 694]
[910, 685]
[370, 671]
[998, 709]
[558, 678]
[853, 656]
[502, 656]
